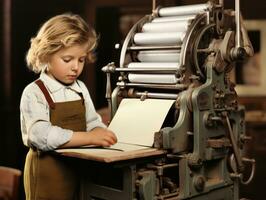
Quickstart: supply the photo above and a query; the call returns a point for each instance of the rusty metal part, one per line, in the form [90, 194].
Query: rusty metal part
[219, 143]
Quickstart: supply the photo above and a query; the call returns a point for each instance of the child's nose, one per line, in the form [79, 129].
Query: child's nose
[75, 66]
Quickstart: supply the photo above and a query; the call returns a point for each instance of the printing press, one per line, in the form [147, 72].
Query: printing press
[183, 54]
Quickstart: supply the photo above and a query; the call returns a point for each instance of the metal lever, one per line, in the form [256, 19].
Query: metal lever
[153, 5]
[108, 69]
[239, 163]
[238, 52]
[237, 19]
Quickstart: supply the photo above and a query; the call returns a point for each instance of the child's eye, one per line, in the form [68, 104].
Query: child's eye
[82, 60]
[66, 60]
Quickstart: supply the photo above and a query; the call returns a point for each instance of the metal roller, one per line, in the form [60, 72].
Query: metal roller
[180, 26]
[153, 78]
[183, 10]
[136, 65]
[159, 38]
[154, 95]
[173, 19]
[159, 56]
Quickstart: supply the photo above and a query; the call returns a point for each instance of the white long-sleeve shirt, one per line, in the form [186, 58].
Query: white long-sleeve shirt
[36, 127]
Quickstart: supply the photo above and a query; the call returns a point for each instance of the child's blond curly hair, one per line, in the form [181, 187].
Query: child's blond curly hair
[59, 32]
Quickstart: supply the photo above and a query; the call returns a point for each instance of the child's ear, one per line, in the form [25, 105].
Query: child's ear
[45, 60]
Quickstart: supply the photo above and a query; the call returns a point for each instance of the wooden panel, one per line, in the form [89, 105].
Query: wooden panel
[109, 156]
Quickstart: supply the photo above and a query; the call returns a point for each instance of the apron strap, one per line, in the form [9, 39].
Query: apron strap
[80, 94]
[46, 93]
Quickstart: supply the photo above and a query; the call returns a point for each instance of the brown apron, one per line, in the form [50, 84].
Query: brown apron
[48, 176]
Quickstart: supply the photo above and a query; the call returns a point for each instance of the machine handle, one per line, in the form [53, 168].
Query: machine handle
[253, 167]
[240, 175]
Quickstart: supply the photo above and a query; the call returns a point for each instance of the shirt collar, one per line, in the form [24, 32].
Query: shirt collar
[54, 86]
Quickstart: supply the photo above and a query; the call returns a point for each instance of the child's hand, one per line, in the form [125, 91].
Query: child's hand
[102, 137]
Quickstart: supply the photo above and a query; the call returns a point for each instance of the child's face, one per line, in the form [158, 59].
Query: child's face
[67, 64]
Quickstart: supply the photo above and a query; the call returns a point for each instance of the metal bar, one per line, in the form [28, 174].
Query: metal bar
[145, 48]
[158, 86]
[237, 18]
[156, 95]
[153, 5]
[115, 94]
[109, 93]
[205, 50]
[143, 70]
[173, 19]
[234, 145]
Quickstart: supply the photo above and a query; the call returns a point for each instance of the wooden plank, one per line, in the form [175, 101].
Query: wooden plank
[107, 155]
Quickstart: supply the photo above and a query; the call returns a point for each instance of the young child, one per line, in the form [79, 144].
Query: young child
[57, 110]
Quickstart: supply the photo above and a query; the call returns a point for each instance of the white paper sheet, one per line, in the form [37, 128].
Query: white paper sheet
[87, 150]
[119, 146]
[136, 121]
